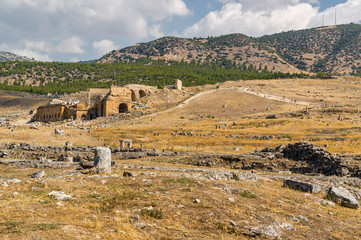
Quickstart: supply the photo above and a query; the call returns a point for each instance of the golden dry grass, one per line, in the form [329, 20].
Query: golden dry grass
[104, 210]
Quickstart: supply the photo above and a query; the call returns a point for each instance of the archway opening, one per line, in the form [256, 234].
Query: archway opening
[142, 93]
[83, 117]
[123, 108]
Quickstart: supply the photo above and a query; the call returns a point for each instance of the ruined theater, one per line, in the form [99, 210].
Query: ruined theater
[91, 104]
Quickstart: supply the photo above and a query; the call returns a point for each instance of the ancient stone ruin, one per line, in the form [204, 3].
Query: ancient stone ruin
[178, 84]
[92, 103]
[125, 144]
[102, 160]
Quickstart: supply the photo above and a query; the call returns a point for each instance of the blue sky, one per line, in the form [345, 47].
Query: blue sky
[78, 30]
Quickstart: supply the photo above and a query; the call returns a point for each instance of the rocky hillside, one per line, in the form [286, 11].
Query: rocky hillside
[238, 48]
[335, 49]
[6, 56]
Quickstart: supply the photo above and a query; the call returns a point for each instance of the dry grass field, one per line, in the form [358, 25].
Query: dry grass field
[164, 206]
[168, 199]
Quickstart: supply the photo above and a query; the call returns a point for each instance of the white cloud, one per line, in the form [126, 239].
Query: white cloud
[37, 45]
[32, 54]
[57, 21]
[104, 46]
[71, 45]
[346, 13]
[234, 18]
[257, 18]
[155, 31]
[111, 17]
[313, 1]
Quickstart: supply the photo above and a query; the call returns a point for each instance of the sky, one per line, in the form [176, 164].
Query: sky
[81, 30]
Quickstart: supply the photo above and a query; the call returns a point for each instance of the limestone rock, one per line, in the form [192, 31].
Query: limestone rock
[86, 164]
[60, 196]
[302, 186]
[38, 174]
[102, 160]
[59, 131]
[343, 197]
[272, 231]
[3, 154]
[14, 181]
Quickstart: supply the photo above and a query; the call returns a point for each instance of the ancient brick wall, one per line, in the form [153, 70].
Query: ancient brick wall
[50, 113]
[118, 100]
[80, 111]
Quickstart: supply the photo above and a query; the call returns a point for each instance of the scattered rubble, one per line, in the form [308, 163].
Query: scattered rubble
[86, 164]
[59, 131]
[60, 196]
[129, 174]
[38, 174]
[274, 230]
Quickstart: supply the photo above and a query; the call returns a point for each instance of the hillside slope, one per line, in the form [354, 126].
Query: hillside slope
[334, 49]
[238, 48]
[6, 56]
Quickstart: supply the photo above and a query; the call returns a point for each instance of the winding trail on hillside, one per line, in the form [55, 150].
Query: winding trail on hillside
[273, 97]
[182, 103]
[241, 89]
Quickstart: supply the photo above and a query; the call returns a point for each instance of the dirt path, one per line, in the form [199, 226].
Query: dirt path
[241, 89]
[182, 103]
[273, 97]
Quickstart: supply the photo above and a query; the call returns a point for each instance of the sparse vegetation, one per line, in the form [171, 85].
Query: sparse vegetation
[74, 77]
[153, 213]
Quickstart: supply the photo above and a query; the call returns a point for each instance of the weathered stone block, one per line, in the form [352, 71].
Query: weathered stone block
[38, 174]
[68, 146]
[302, 186]
[68, 159]
[178, 84]
[59, 132]
[102, 160]
[342, 197]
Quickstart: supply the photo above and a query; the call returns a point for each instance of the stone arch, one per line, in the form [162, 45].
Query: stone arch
[134, 97]
[142, 93]
[123, 108]
[83, 117]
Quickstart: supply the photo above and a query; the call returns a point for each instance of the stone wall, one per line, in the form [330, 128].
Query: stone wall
[93, 103]
[50, 113]
[59, 112]
[140, 91]
[118, 100]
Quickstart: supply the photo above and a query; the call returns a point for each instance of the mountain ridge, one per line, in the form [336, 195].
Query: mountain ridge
[332, 49]
[238, 48]
[7, 56]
